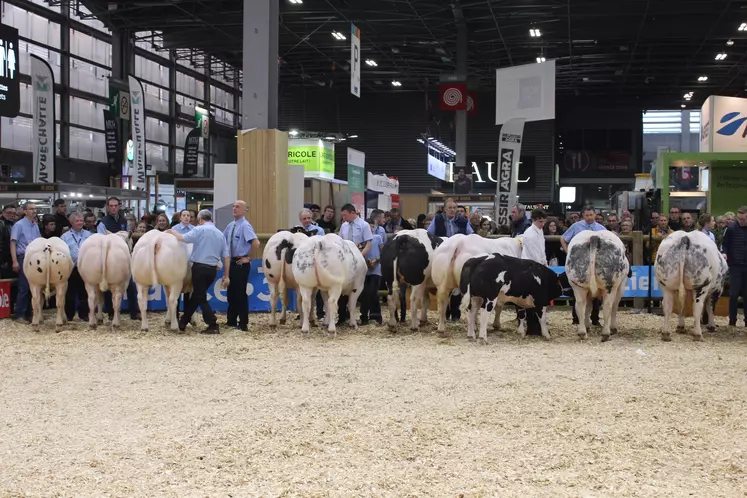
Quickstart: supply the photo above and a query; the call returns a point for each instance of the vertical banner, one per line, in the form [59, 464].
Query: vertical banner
[509, 151]
[191, 146]
[202, 121]
[356, 179]
[43, 140]
[355, 61]
[111, 139]
[137, 120]
[10, 60]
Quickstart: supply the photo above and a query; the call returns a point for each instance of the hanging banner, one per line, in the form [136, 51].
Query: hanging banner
[509, 151]
[10, 83]
[111, 139]
[355, 61]
[383, 184]
[191, 146]
[137, 120]
[356, 179]
[202, 121]
[42, 141]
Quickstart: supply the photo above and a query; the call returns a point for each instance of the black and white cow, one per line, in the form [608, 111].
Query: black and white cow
[407, 258]
[689, 264]
[491, 280]
[597, 269]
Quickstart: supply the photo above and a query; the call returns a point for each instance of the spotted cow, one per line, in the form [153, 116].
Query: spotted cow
[597, 269]
[277, 259]
[691, 266]
[450, 257]
[491, 280]
[47, 264]
[334, 266]
[408, 258]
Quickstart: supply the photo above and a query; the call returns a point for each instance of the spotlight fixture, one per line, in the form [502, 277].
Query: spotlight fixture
[702, 78]
[721, 56]
[293, 133]
[729, 43]
[296, 1]
[540, 60]
[396, 83]
[534, 33]
[338, 35]
[371, 62]
[742, 27]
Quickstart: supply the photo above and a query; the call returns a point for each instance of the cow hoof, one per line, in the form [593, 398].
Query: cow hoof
[282, 321]
[666, 338]
[484, 342]
[115, 325]
[583, 337]
[697, 338]
[496, 329]
[274, 325]
[680, 330]
[92, 326]
[58, 329]
[414, 329]
[711, 329]
[613, 331]
[470, 339]
[605, 338]
[423, 323]
[144, 329]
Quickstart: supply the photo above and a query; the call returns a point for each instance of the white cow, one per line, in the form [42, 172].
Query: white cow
[335, 267]
[277, 259]
[104, 265]
[47, 264]
[159, 258]
[450, 257]
[597, 269]
[689, 264]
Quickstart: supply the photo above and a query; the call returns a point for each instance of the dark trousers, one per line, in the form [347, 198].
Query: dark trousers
[737, 287]
[187, 297]
[319, 306]
[132, 303]
[76, 289]
[452, 310]
[594, 311]
[370, 302]
[203, 277]
[238, 303]
[23, 308]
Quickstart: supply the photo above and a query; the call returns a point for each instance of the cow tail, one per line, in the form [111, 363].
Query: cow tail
[281, 284]
[104, 285]
[685, 243]
[47, 290]
[395, 282]
[594, 242]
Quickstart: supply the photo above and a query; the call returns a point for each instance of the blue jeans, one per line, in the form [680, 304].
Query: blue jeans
[24, 298]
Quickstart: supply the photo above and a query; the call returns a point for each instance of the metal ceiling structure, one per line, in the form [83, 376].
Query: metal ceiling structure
[655, 51]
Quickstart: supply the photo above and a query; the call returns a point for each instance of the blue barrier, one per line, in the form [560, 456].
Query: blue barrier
[637, 284]
[258, 291]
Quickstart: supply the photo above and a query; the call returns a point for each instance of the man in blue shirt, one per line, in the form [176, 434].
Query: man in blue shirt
[76, 288]
[22, 234]
[448, 223]
[588, 223]
[241, 242]
[184, 225]
[305, 216]
[208, 248]
[358, 231]
[370, 301]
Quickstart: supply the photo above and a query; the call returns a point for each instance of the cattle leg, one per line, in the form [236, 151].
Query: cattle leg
[443, 298]
[483, 323]
[116, 305]
[173, 302]
[617, 298]
[61, 291]
[681, 321]
[92, 291]
[581, 298]
[711, 315]
[392, 301]
[273, 303]
[301, 299]
[352, 301]
[416, 299]
[100, 300]
[142, 301]
[474, 305]
[36, 305]
[607, 305]
[305, 310]
[543, 323]
[497, 317]
[333, 295]
[425, 304]
[667, 304]
[325, 320]
[283, 305]
[700, 299]
[522, 329]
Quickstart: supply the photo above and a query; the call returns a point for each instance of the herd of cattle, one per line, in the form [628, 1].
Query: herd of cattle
[487, 272]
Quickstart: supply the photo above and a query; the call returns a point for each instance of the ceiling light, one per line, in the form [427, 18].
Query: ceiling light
[702, 78]
[90, 195]
[534, 32]
[729, 43]
[371, 62]
[682, 105]
[396, 83]
[293, 133]
[742, 27]
[338, 35]
[540, 59]
[296, 1]
[353, 136]
[329, 138]
[721, 56]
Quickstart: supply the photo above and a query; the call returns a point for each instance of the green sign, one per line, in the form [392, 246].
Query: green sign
[357, 179]
[202, 122]
[316, 156]
[119, 103]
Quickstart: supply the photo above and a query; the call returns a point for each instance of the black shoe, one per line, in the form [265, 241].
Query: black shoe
[596, 323]
[212, 329]
[182, 328]
[243, 328]
[231, 324]
[82, 319]
[363, 322]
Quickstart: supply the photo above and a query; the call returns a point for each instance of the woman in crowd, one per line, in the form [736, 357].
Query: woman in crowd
[421, 219]
[485, 228]
[707, 223]
[162, 222]
[555, 257]
[48, 226]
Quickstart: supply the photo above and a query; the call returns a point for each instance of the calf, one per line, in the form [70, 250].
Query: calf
[47, 264]
[104, 265]
[335, 267]
[408, 258]
[277, 259]
[490, 281]
[159, 258]
[689, 264]
[597, 269]
[450, 257]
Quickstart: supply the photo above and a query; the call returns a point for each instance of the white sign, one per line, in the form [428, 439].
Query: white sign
[137, 120]
[437, 168]
[526, 91]
[382, 184]
[43, 140]
[355, 61]
[509, 151]
[723, 125]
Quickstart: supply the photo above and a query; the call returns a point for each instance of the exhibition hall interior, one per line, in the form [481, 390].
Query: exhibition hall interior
[373, 247]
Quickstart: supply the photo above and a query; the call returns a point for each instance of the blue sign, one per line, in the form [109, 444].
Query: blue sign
[731, 128]
[637, 284]
[257, 291]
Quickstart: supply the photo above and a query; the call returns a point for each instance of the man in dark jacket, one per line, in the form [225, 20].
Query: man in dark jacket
[735, 250]
[61, 223]
[519, 220]
[396, 220]
[6, 224]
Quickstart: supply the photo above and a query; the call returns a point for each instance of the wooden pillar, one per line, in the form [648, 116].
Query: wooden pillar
[637, 252]
[262, 175]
